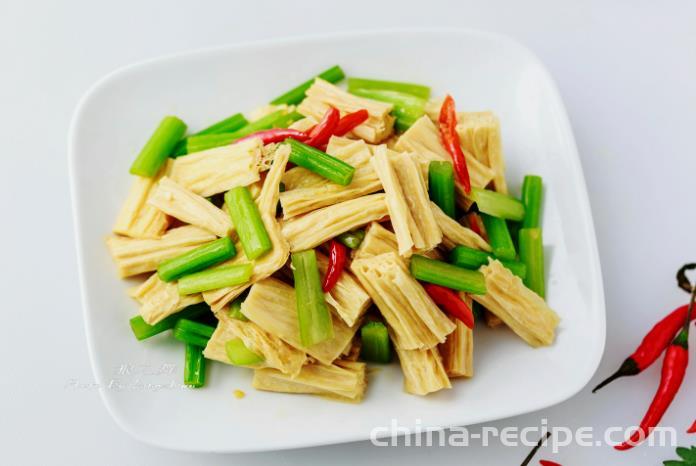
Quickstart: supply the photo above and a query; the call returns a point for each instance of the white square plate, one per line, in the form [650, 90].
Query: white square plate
[141, 380]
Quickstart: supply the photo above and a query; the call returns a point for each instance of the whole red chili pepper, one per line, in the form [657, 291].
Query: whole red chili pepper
[451, 303]
[692, 429]
[276, 135]
[450, 139]
[337, 262]
[652, 346]
[350, 121]
[320, 134]
[673, 371]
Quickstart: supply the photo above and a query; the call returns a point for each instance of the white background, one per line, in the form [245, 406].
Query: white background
[625, 69]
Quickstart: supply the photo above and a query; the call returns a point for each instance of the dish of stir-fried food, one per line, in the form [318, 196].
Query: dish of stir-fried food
[333, 228]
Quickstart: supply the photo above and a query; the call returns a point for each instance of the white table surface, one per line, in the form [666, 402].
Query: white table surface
[625, 69]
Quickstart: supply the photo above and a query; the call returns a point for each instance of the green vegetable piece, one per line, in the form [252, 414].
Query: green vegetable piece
[468, 258]
[375, 343]
[499, 237]
[247, 221]
[143, 330]
[195, 327]
[296, 95]
[212, 279]
[497, 204]
[196, 259]
[236, 310]
[351, 239]
[417, 90]
[441, 186]
[531, 198]
[158, 147]
[228, 125]
[210, 141]
[321, 163]
[190, 338]
[447, 275]
[194, 366]
[532, 255]
[240, 355]
[312, 312]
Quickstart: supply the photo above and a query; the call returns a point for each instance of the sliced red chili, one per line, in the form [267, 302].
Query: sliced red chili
[475, 223]
[350, 121]
[320, 134]
[268, 136]
[450, 139]
[337, 262]
[548, 463]
[451, 303]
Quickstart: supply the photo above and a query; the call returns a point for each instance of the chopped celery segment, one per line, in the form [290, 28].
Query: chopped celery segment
[297, 94]
[312, 312]
[447, 275]
[497, 204]
[375, 345]
[247, 221]
[240, 355]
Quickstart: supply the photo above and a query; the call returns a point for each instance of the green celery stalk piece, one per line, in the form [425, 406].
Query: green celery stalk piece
[351, 239]
[312, 312]
[497, 204]
[210, 141]
[441, 186]
[190, 338]
[532, 255]
[532, 188]
[236, 310]
[213, 279]
[375, 345]
[240, 355]
[194, 366]
[246, 218]
[195, 327]
[499, 237]
[297, 94]
[158, 147]
[321, 163]
[468, 258]
[447, 275]
[196, 259]
[228, 125]
[417, 90]
[142, 330]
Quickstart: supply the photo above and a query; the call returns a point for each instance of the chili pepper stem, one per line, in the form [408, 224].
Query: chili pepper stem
[628, 368]
[534, 451]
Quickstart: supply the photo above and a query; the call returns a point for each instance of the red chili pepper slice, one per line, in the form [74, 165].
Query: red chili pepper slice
[549, 463]
[451, 303]
[350, 121]
[320, 134]
[475, 223]
[337, 262]
[652, 346]
[450, 139]
[692, 429]
[276, 135]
